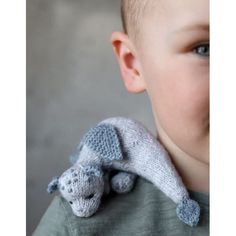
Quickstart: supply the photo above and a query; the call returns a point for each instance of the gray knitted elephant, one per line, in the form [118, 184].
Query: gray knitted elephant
[126, 145]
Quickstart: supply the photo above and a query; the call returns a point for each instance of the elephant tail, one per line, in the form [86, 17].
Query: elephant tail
[188, 211]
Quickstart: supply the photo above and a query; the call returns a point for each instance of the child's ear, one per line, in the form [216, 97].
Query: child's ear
[128, 62]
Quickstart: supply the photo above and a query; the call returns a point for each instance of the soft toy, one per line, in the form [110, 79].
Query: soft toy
[126, 145]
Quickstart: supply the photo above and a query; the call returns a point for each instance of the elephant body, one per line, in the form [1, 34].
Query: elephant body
[142, 154]
[126, 145]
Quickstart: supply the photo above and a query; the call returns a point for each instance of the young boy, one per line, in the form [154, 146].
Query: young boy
[164, 50]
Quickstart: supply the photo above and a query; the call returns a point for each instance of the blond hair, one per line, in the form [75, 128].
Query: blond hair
[132, 12]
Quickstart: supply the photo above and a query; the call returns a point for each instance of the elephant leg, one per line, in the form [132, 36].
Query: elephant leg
[123, 182]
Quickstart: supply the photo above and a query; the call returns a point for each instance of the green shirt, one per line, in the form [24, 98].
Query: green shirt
[145, 211]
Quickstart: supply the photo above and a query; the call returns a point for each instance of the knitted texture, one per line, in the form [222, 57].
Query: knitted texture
[146, 157]
[123, 182]
[103, 140]
[53, 185]
[84, 186]
[126, 145]
[188, 211]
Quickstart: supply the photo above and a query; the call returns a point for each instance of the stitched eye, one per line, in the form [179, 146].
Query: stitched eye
[71, 202]
[89, 196]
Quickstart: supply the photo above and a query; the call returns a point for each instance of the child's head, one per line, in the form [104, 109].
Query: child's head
[164, 50]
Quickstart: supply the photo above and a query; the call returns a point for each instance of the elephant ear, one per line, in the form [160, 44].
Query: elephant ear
[104, 141]
[53, 185]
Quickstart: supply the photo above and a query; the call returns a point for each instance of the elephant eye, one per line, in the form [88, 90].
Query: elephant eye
[89, 196]
[71, 202]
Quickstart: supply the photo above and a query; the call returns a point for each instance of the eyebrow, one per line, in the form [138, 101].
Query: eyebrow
[193, 27]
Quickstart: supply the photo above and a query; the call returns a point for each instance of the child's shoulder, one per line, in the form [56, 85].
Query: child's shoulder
[143, 211]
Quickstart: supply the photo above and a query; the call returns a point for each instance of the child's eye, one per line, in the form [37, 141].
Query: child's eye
[202, 50]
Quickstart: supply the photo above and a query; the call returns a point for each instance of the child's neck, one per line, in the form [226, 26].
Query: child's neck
[194, 173]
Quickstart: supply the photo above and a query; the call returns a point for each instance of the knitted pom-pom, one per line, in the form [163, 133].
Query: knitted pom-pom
[188, 211]
[123, 182]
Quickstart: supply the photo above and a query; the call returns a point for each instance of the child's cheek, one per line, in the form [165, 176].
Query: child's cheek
[197, 102]
[188, 100]
[181, 105]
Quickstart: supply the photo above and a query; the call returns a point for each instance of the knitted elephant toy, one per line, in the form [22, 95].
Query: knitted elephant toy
[126, 145]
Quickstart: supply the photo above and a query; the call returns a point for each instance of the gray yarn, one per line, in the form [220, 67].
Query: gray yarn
[103, 140]
[123, 182]
[53, 185]
[84, 186]
[126, 145]
[188, 211]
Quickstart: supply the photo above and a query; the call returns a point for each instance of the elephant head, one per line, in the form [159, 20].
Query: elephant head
[82, 187]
